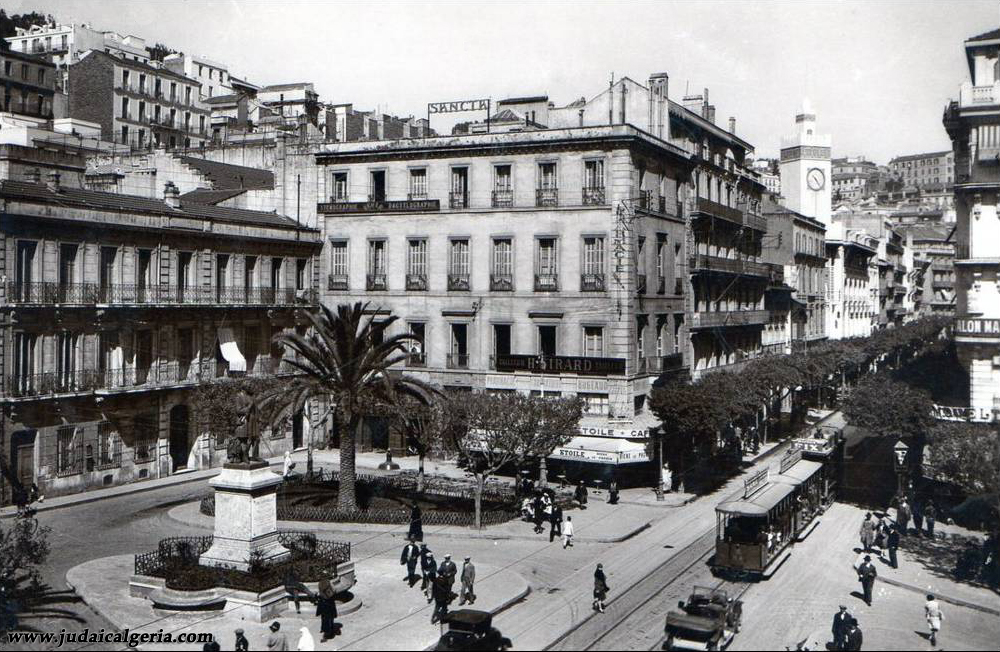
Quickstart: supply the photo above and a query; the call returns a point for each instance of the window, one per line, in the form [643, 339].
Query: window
[502, 273]
[376, 265]
[69, 450]
[546, 265]
[340, 186]
[249, 272]
[503, 189]
[640, 265]
[459, 356]
[418, 184]
[338, 265]
[124, 113]
[459, 196]
[41, 76]
[185, 352]
[547, 193]
[109, 446]
[592, 278]
[594, 403]
[416, 357]
[548, 340]
[66, 362]
[376, 186]
[416, 264]
[661, 263]
[593, 174]
[146, 434]
[125, 78]
[593, 341]
[173, 91]
[459, 264]
[501, 339]
[301, 269]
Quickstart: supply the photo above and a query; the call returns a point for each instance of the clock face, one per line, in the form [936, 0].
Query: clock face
[816, 179]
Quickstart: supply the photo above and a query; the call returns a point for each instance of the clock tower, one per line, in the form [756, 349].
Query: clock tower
[805, 168]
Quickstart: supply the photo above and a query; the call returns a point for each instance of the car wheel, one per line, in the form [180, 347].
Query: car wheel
[669, 643]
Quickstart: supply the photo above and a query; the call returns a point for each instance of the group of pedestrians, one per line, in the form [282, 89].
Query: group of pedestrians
[922, 514]
[437, 581]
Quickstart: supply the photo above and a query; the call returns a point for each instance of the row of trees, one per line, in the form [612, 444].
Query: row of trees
[697, 415]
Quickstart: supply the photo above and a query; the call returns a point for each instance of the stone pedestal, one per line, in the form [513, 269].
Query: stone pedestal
[246, 519]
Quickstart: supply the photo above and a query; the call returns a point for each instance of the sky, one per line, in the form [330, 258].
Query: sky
[877, 73]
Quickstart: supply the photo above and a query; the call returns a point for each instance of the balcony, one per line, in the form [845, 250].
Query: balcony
[714, 209]
[458, 361]
[131, 294]
[739, 266]
[640, 284]
[758, 222]
[458, 282]
[50, 384]
[547, 197]
[725, 318]
[594, 196]
[458, 199]
[546, 282]
[976, 96]
[592, 283]
[660, 364]
[420, 195]
[337, 282]
[416, 359]
[416, 282]
[501, 283]
[503, 198]
[943, 284]
[376, 282]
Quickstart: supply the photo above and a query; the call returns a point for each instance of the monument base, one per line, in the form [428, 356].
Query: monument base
[246, 521]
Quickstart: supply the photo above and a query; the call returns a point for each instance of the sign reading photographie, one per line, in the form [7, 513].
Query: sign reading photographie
[402, 206]
[561, 364]
[458, 107]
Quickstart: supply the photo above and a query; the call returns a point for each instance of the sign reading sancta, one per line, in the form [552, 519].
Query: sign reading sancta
[458, 107]
[562, 364]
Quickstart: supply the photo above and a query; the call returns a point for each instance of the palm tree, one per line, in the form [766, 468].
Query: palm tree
[346, 358]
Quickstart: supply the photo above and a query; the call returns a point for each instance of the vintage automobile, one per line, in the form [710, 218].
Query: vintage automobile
[471, 629]
[707, 621]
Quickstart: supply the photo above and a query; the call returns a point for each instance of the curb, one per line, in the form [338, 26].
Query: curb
[94, 607]
[316, 526]
[954, 601]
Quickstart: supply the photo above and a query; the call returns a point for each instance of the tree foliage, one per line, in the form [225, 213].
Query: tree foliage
[160, 51]
[967, 455]
[223, 404]
[888, 407]
[9, 24]
[24, 547]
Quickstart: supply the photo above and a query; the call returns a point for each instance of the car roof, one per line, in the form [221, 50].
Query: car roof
[469, 617]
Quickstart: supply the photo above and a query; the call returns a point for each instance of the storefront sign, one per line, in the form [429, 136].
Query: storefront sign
[458, 107]
[948, 413]
[403, 206]
[561, 364]
[978, 327]
[600, 457]
[620, 433]
[756, 482]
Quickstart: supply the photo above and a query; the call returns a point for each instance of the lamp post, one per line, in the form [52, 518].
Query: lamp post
[900, 452]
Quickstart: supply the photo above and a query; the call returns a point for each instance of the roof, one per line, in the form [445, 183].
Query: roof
[209, 196]
[991, 35]
[802, 471]
[24, 56]
[285, 87]
[917, 157]
[471, 617]
[769, 207]
[222, 99]
[921, 232]
[525, 100]
[760, 503]
[109, 201]
[142, 66]
[229, 176]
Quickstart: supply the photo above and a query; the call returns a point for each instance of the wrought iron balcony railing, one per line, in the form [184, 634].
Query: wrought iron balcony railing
[594, 196]
[337, 282]
[458, 282]
[376, 282]
[706, 263]
[458, 199]
[503, 199]
[659, 364]
[501, 283]
[416, 282]
[546, 282]
[592, 283]
[416, 359]
[51, 383]
[547, 197]
[722, 318]
[715, 209]
[458, 360]
[46, 293]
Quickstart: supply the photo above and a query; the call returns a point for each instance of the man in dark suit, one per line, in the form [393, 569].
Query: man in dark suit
[555, 522]
[892, 544]
[841, 624]
[447, 571]
[428, 570]
[866, 575]
[854, 638]
[410, 557]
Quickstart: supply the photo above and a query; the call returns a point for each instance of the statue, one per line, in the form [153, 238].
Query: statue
[238, 449]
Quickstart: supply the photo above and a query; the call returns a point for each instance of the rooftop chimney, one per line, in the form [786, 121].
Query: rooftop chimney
[710, 113]
[33, 175]
[52, 181]
[171, 195]
[732, 125]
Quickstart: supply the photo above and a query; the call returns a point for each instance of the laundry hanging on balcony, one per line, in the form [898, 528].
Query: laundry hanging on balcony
[231, 351]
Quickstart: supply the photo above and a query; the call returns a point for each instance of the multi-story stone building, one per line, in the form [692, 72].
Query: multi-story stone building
[931, 170]
[852, 284]
[973, 123]
[137, 104]
[853, 178]
[933, 270]
[213, 76]
[115, 308]
[64, 44]
[290, 102]
[28, 85]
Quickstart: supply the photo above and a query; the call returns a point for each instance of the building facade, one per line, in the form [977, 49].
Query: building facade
[973, 123]
[931, 170]
[116, 308]
[212, 76]
[138, 104]
[933, 270]
[853, 178]
[28, 85]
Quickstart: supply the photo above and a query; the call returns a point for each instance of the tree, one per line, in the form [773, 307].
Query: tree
[890, 408]
[160, 51]
[345, 358]
[224, 404]
[419, 423]
[491, 431]
[967, 455]
[24, 547]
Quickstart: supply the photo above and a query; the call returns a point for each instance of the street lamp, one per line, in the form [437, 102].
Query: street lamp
[900, 451]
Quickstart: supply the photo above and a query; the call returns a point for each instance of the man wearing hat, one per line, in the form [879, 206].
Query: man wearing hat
[241, 644]
[428, 570]
[447, 572]
[410, 557]
[468, 579]
[841, 623]
[867, 575]
[277, 640]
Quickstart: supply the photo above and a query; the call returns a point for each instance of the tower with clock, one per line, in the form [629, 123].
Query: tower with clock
[805, 168]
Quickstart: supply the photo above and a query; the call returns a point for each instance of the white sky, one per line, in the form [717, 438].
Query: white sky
[878, 74]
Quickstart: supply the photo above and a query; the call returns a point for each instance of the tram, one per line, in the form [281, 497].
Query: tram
[775, 510]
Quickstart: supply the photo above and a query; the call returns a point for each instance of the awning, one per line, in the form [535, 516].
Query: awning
[231, 350]
[598, 450]
[758, 504]
[802, 471]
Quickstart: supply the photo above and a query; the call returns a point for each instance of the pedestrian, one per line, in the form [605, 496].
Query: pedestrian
[442, 596]
[930, 515]
[867, 533]
[447, 571]
[600, 588]
[293, 587]
[241, 644]
[211, 646]
[866, 575]
[881, 535]
[428, 569]
[468, 582]
[892, 544]
[903, 517]
[288, 466]
[326, 609]
[306, 641]
[277, 640]
[555, 522]
[416, 524]
[854, 637]
[538, 515]
[841, 625]
[613, 493]
[410, 556]
[567, 531]
[932, 611]
[918, 518]
[580, 494]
